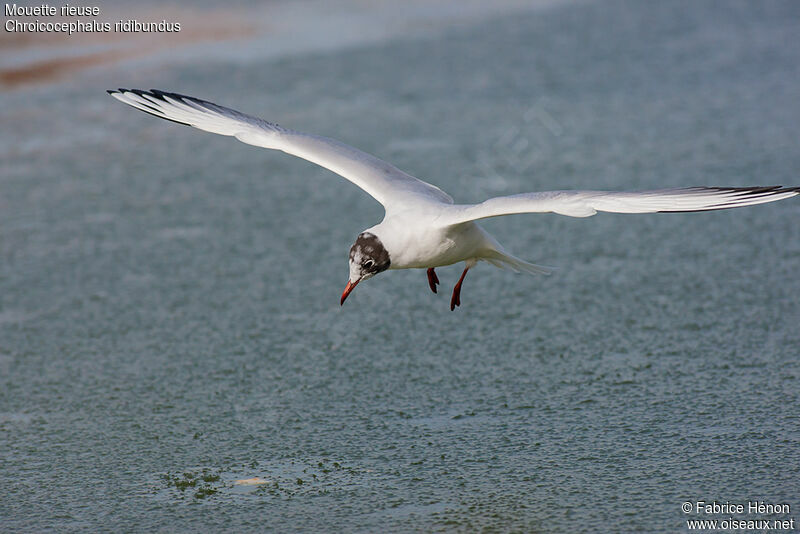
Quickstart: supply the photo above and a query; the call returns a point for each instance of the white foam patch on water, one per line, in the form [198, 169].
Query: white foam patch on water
[15, 316]
[182, 233]
[21, 418]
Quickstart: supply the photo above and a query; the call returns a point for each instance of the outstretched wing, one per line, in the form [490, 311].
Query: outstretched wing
[387, 184]
[587, 203]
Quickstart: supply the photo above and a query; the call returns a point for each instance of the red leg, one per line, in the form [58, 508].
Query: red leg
[432, 279]
[455, 300]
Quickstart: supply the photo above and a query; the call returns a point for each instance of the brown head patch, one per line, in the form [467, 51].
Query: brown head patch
[370, 254]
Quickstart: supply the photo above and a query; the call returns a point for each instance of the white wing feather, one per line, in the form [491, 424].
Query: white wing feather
[587, 203]
[387, 184]
[395, 189]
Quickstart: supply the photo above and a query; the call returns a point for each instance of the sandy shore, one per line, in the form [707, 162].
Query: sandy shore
[42, 56]
[273, 29]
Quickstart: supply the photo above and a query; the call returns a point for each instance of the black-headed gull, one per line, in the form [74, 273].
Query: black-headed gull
[422, 228]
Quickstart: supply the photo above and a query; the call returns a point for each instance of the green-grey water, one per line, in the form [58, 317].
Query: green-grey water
[169, 299]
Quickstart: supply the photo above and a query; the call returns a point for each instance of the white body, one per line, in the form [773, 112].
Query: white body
[422, 227]
[433, 246]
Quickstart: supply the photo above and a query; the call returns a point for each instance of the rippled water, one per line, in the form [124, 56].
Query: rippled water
[169, 300]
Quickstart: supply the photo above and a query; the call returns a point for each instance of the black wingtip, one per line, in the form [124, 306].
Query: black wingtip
[159, 94]
[763, 191]
[147, 105]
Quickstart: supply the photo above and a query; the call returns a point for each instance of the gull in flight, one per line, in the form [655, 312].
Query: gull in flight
[422, 228]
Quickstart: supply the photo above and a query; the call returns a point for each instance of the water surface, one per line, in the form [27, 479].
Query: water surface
[169, 300]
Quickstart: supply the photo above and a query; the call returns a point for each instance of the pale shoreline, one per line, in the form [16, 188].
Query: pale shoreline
[266, 31]
[40, 57]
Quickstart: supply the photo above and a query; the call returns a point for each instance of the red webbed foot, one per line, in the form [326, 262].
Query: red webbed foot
[455, 300]
[432, 279]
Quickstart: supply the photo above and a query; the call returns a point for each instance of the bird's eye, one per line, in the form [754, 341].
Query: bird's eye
[368, 264]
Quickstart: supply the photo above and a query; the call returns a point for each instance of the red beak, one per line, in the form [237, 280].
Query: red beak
[348, 288]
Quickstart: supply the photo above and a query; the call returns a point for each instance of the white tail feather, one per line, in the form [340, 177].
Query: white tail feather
[507, 261]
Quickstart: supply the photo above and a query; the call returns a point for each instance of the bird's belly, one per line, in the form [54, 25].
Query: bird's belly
[440, 253]
[437, 248]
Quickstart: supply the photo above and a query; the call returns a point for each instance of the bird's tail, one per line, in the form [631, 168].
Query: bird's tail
[507, 261]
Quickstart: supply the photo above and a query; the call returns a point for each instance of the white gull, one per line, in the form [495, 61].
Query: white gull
[422, 228]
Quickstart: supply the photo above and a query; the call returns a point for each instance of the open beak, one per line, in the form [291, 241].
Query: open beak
[348, 288]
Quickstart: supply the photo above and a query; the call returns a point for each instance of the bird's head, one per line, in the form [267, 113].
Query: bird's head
[368, 257]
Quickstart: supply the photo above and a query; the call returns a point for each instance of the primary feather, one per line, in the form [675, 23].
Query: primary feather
[386, 183]
[588, 203]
